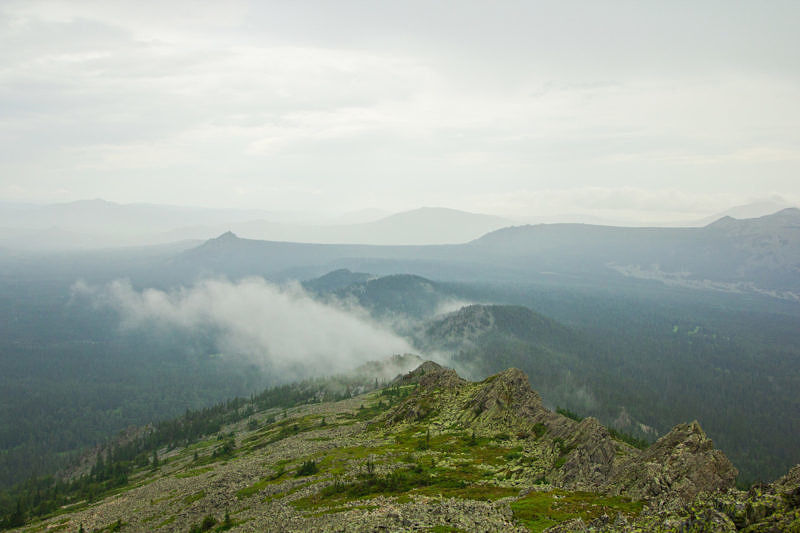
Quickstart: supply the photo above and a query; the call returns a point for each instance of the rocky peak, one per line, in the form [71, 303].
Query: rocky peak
[430, 376]
[676, 468]
[222, 242]
[507, 391]
[722, 223]
[227, 236]
[682, 463]
[690, 437]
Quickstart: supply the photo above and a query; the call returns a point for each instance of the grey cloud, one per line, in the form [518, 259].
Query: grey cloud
[410, 104]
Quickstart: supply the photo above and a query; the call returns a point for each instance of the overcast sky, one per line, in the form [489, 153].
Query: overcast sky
[649, 109]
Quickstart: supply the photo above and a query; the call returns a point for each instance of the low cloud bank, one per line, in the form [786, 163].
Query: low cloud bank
[280, 327]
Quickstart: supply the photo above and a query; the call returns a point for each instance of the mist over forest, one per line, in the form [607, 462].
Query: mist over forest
[96, 341]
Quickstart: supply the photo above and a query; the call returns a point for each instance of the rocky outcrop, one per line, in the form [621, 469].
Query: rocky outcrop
[583, 455]
[765, 508]
[789, 484]
[591, 460]
[503, 402]
[431, 376]
[433, 382]
[681, 464]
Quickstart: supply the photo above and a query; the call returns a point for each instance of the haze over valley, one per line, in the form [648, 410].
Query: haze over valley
[607, 321]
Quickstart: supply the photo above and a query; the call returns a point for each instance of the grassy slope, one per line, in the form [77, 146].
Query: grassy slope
[357, 465]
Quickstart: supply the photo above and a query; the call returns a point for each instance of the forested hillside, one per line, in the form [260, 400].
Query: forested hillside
[641, 364]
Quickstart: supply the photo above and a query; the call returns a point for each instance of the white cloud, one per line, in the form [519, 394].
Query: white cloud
[279, 327]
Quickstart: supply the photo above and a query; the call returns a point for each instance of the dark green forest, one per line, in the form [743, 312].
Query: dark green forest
[70, 378]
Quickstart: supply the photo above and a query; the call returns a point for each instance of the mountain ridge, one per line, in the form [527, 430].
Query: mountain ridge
[484, 456]
[760, 256]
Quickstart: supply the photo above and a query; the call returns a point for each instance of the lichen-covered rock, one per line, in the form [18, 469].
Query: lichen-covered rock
[789, 483]
[591, 459]
[504, 401]
[433, 381]
[682, 464]
[430, 375]
[573, 455]
[707, 521]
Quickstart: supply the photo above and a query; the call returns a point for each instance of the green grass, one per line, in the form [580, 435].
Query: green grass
[336, 461]
[424, 477]
[59, 527]
[191, 498]
[261, 484]
[282, 429]
[540, 510]
[254, 488]
[280, 495]
[478, 448]
[367, 485]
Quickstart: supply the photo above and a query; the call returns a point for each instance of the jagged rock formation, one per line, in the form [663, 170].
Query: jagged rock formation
[770, 508]
[590, 463]
[678, 466]
[683, 463]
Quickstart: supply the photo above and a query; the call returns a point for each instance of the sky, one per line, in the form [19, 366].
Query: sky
[645, 110]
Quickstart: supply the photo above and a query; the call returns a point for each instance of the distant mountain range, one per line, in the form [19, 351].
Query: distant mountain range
[98, 223]
[759, 208]
[754, 255]
[88, 224]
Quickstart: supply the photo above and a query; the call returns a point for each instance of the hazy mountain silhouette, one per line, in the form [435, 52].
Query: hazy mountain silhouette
[759, 255]
[760, 208]
[99, 223]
